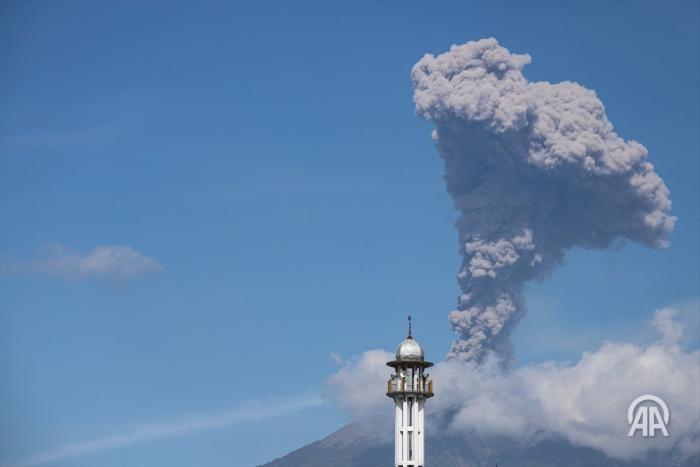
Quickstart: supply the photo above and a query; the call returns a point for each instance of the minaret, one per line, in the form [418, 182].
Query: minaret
[409, 388]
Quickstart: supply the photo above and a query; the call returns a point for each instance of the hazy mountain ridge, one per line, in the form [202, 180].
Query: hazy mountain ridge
[370, 444]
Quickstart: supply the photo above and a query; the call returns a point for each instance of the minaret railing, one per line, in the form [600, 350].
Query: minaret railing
[407, 385]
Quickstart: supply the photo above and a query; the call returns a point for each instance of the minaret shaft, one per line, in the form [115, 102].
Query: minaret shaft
[409, 436]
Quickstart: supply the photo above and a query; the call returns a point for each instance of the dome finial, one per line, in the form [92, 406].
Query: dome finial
[409, 328]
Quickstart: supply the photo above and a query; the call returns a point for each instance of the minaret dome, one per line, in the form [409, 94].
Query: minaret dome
[410, 351]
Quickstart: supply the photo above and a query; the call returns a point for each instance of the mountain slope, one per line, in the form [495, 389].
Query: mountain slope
[370, 444]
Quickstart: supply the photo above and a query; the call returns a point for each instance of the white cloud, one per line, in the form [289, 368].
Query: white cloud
[250, 411]
[335, 358]
[584, 402]
[671, 330]
[110, 261]
[354, 386]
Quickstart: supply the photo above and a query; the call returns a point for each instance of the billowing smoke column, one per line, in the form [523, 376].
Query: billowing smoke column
[534, 169]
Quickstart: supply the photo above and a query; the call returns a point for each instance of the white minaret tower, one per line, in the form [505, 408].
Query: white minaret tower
[409, 388]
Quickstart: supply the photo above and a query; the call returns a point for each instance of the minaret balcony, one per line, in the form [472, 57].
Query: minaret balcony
[403, 385]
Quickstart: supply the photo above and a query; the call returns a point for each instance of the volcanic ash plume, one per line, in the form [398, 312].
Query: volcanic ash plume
[534, 169]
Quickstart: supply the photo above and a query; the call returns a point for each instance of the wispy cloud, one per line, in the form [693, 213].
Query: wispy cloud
[31, 128]
[110, 261]
[253, 410]
[68, 138]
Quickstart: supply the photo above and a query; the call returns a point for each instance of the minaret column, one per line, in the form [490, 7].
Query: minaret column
[420, 441]
[397, 431]
[404, 431]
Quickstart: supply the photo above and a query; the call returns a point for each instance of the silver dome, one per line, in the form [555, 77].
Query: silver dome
[410, 350]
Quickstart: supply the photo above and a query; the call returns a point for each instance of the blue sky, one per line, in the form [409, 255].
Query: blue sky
[267, 157]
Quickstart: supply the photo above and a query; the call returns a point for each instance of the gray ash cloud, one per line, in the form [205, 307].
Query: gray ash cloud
[534, 169]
